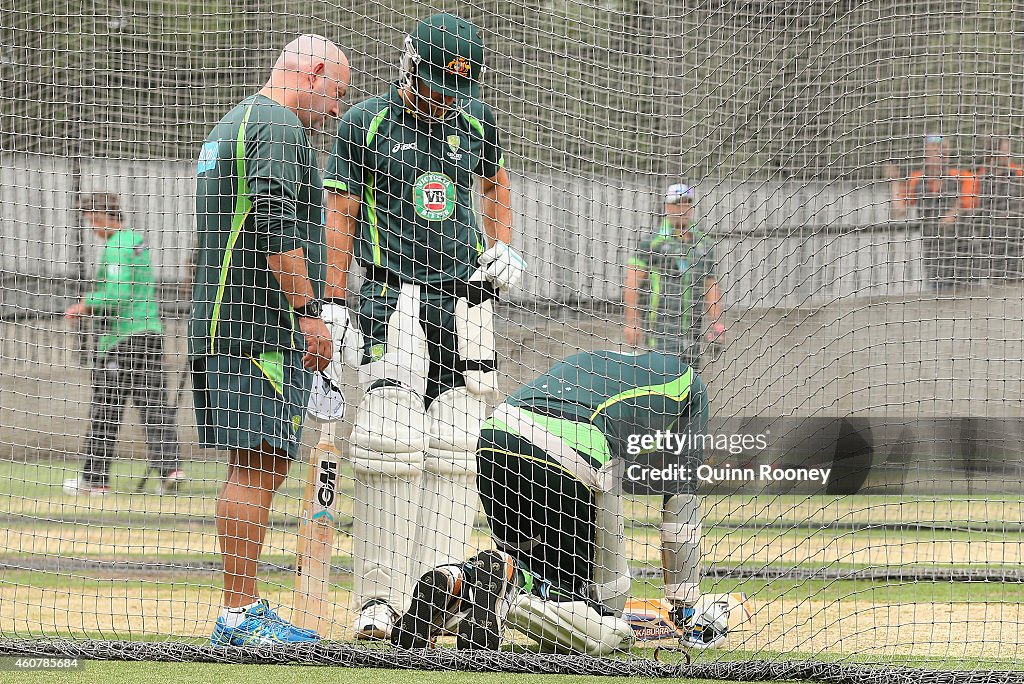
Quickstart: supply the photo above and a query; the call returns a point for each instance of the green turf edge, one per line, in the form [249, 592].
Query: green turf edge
[757, 590]
[645, 651]
[102, 672]
[201, 673]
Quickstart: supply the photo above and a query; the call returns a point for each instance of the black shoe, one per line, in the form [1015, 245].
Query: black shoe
[492, 581]
[434, 598]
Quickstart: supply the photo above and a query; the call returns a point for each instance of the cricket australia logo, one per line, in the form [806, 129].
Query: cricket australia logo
[433, 196]
[454, 143]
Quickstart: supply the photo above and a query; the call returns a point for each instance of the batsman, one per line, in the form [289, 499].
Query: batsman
[402, 196]
[549, 464]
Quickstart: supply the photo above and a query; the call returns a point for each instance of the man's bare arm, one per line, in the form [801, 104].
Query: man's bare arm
[290, 270]
[496, 207]
[712, 300]
[342, 218]
[635, 277]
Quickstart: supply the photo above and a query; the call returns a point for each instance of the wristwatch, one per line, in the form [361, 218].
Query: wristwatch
[311, 309]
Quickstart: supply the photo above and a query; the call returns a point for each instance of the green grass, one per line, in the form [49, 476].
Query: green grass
[760, 591]
[270, 557]
[202, 673]
[897, 660]
[698, 657]
[32, 491]
[829, 591]
[881, 536]
[40, 480]
[102, 672]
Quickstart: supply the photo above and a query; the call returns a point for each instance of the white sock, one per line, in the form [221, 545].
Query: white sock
[234, 616]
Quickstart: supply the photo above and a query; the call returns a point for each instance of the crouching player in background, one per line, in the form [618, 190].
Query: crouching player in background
[548, 463]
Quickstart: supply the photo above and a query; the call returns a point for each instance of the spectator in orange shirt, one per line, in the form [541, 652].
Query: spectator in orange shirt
[998, 214]
[940, 194]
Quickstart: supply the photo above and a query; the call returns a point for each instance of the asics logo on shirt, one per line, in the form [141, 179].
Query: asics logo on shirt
[399, 147]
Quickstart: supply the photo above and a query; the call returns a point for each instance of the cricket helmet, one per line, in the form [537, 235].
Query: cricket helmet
[447, 53]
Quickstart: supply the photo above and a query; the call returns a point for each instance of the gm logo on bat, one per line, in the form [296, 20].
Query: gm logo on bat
[328, 478]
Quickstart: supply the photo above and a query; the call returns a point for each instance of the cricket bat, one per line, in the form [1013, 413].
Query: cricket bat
[316, 534]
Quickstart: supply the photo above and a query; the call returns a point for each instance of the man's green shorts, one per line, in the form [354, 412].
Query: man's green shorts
[242, 402]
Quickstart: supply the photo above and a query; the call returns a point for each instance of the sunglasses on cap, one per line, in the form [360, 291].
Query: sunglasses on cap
[679, 193]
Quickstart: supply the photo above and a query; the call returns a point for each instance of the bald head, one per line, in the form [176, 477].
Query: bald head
[310, 77]
[306, 51]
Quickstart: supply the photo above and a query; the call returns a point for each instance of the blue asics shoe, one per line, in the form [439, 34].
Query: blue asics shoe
[269, 612]
[261, 627]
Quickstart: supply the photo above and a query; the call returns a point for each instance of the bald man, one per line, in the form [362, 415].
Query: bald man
[255, 331]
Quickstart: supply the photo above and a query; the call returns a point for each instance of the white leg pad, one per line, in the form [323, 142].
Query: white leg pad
[475, 333]
[569, 626]
[389, 438]
[612, 578]
[681, 548]
[448, 500]
[405, 359]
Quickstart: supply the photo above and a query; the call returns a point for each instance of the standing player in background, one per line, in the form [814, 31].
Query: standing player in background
[940, 193]
[549, 460]
[255, 332]
[671, 292]
[130, 356]
[401, 187]
[998, 215]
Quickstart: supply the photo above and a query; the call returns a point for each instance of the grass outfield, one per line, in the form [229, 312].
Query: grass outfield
[30, 493]
[202, 673]
[104, 567]
[891, 593]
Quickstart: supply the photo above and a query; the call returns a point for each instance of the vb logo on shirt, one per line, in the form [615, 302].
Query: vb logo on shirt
[433, 195]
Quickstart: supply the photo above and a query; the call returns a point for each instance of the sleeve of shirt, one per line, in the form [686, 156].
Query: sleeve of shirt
[115, 289]
[274, 153]
[345, 166]
[492, 159]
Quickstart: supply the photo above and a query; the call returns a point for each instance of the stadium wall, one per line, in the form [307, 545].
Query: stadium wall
[779, 244]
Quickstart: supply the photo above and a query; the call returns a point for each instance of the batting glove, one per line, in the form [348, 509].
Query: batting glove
[502, 265]
[345, 333]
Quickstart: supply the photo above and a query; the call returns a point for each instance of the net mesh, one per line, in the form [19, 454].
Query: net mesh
[855, 169]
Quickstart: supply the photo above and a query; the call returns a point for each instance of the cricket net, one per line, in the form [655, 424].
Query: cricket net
[874, 316]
